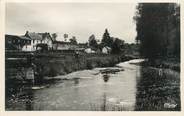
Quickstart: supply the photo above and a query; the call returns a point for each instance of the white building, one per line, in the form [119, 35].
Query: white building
[39, 38]
[106, 50]
[61, 45]
[89, 50]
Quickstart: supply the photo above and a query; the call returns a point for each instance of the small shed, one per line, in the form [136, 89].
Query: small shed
[106, 50]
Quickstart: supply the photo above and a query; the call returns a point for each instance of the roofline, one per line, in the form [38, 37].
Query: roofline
[20, 37]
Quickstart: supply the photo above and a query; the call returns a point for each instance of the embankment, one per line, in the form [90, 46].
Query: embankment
[44, 66]
[168, 63]
[64, 64]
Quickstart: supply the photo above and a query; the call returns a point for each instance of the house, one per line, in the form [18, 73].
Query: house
[106, 50]
[39, 38]
[61, 45]
[14, 42]
[27, 48]
[89, 50]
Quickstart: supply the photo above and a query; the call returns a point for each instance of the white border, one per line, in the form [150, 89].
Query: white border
[89, 113]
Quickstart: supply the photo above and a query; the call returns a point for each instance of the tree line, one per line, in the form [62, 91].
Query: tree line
[158, 30]
[115, 44]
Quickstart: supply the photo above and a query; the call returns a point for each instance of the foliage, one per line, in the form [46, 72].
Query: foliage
[73, 40]
[117, 46]
[65, 35]
[107, 40]
[93, 41]
[131, 49]
[54, 36]
[158, 30]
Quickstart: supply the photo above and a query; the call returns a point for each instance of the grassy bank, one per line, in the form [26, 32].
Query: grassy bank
[168, 63]
[53, 66]
[46, 66]
[158, 91]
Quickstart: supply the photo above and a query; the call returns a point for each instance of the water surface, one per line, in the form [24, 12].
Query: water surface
[122, 90]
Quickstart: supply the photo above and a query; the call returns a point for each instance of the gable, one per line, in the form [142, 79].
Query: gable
[34, 36]
[39, 36]
[46, 36]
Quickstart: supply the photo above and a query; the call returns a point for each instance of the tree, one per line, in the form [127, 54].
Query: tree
[92, 41]
[156, 31]
[73, 40]
[107, 40]
[54, 36]
[65, 36]
[176, 22]
[117, 46]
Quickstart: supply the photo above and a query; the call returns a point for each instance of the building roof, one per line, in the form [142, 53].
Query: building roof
[17, 37]
[38, 36]
[24, 37]
[34, 36]
[44, 35]
[10, 36]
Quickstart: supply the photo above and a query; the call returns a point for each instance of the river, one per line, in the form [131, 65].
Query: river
[125, 87]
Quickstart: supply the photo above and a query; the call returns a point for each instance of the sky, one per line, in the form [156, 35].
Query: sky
[75, 19]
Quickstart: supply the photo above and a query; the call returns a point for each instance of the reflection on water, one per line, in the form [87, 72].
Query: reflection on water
[76, 81]
[106, 77]
[134, 88]
[104, 102]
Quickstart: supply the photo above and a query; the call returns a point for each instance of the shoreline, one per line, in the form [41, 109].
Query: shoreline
[165, 64]
[54, 67]
[48, 67]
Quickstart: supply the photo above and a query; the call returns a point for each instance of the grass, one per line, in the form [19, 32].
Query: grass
[169, 63]
[154, 90]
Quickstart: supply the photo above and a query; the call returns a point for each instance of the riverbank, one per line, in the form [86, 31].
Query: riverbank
[52, 66]
[45, 66]
[146, 90]
[158, 90]
[169, 63]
